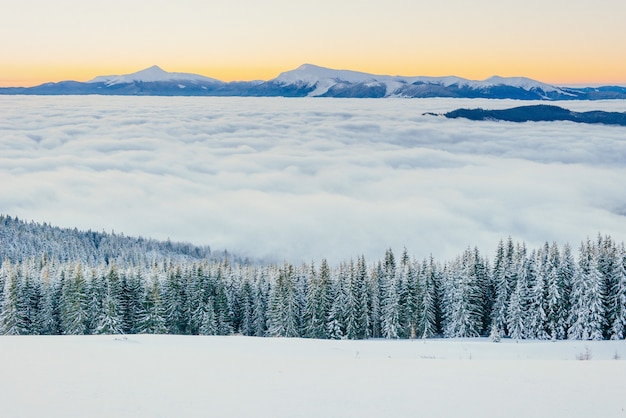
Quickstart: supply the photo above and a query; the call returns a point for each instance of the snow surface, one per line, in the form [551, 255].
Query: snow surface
[191, 376]
[152, 74]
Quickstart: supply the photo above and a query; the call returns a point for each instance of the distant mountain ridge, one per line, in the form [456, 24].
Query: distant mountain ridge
[310, 80]
[540, 113]
[151, 74]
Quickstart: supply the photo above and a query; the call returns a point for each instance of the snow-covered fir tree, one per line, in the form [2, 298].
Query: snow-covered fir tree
[111, 320]
[259, 307]
[501, 274]
[319, 300]
[208, 320]
[463, 310]
[376, 276]
[73, 303]
[389, 305]
[535, 280]
[151, 319]
[617, 297]
[587, 296]
[246, 297]
[282, 316]
[175, 302]
[132, 297]
[358, 326]
[556, 321]
[409, 296]
[12, 321]
[48, 322]
[428, 309]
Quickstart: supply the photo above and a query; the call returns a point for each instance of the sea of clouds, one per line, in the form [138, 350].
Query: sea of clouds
[305, 179]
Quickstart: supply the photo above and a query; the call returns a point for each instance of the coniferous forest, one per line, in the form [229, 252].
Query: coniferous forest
[63, 281]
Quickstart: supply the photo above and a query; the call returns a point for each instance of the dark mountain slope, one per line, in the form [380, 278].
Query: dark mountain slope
[540, 113]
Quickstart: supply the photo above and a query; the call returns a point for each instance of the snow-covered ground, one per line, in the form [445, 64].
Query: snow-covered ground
[177, 376]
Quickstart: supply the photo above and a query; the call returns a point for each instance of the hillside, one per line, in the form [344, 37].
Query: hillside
[20, 240]
[540, 113]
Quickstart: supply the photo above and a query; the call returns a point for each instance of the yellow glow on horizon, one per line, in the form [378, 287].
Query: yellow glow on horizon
[564, 73]
[557, 42]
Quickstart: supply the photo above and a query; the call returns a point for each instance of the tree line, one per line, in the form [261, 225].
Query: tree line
[544, 293]
[21, 240]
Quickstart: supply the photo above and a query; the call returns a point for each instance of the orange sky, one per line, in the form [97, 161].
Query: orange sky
[559, 42]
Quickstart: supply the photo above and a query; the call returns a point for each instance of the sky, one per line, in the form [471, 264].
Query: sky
[559, 41]
[305, 179]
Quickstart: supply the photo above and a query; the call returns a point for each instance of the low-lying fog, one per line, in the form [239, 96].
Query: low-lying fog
[301, 179]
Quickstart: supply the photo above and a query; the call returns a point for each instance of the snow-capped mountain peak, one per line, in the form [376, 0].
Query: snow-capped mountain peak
[520, 82]
[311, 74]
[323, 80]
[152, 74]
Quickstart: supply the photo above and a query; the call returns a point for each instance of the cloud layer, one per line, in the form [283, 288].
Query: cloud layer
[302, 179]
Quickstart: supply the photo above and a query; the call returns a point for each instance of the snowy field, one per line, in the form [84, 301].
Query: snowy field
[302, 179]
[175, 376]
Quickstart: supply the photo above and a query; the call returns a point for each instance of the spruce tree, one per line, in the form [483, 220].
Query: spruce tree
[208, 322]
[536, 315]
[247, 302]
[607, 264]
[223, 312]
[515, 313]
[427, 325]
[97, 289]
[48, 319]
[409, 297]
[618, 297]
[197, 289]
[174, 302]
[500, 276]
[556, 313]
[12, 321]
[259, 306]
[30, 295]
[567, 272]
[132, 297]
[111, 320]
[389, 304]
[334, 324]
[340, 300]
[350, 304]
[464, 295]
[485, 293]
[358, 326]
[74, 315]
[519, 305]
[152, 317]
[375, 286]
[595, 299]
[587, 304]
[282, 312]
[318, 301]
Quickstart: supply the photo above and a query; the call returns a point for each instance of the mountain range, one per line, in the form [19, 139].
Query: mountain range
[313, 81]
